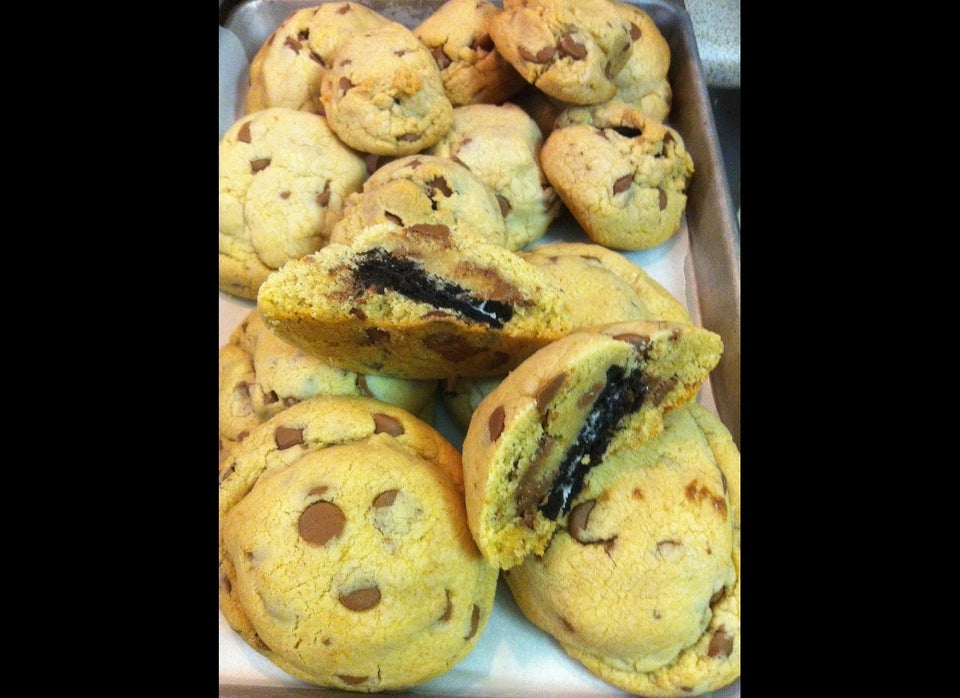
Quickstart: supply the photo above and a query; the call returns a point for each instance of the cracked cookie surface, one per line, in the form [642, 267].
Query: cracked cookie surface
[284, 176]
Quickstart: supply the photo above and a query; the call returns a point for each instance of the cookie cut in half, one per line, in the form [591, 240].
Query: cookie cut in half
[415, 302]
[642, 584]
[575, 403]
[345, 556]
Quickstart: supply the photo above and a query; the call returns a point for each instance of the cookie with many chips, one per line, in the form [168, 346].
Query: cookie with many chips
[571, 50]
[457, 33]
[622, 174]
[383, 93]
[284, 177]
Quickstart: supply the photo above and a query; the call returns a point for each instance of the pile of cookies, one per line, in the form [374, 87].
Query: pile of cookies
[384, 200]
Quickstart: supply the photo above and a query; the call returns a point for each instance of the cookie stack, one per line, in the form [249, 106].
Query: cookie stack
[384, 200]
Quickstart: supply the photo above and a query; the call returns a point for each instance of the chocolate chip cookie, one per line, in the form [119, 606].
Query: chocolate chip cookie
[600, 286]
[578, 401]
[414, 302]
[261, 375]
[429, 189]
[642, 582]
[457, 33]
[571, 50]
[383, 93]
[500, 144]
[345, 556]
[284, 176]
[622, 174]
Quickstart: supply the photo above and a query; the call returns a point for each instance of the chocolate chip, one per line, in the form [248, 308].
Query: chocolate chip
[385, 424]
[321, 522]
[343, 9]
[314, 56]
[292, 43]
[569, 47]
[495, 424]
[285, 437]
[323, 198]
[243, 134]
[345, 84]
[285, 194]
[440, 184]
[544, 55]
[721, 644]
[591, 394]
[634, 32]
[448, 611]
[362, 599]
[505, 206]
[377, 335]
[622, 184]
[577, 522]
[271, 397]
[257, 165]
[303, 34]
[663, 200]
[474, 622]
[451, 346]
[352, 680]
[440, 57]
[411, 137]
[393, 218]
[372, 161]
[385, 499]
[548, 391]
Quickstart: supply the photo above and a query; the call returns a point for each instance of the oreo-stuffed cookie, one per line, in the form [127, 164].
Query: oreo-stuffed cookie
[584, 398]
[600, 286]
[345, 556]
[261, 375]
[414, 302]
[284, 176]
[642, 582]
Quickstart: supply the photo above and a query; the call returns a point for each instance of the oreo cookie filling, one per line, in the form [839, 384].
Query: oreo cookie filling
[621, 396]
[381, 270]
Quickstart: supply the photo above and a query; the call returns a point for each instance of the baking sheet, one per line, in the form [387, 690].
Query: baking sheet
[697, 265]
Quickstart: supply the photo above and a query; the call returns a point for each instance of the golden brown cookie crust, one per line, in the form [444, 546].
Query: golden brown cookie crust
[533, 437]
[341, 573]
